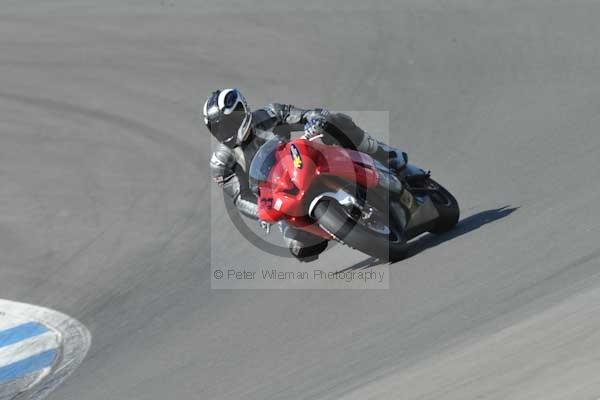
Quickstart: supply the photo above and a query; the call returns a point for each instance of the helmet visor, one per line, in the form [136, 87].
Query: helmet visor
[225, 127]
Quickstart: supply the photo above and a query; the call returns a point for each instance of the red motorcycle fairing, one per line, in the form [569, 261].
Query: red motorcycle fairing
[299, 163]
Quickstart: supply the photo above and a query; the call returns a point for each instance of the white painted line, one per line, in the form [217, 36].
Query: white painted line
[12, 389]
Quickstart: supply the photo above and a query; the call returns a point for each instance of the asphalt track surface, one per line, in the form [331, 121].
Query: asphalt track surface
[105, 194]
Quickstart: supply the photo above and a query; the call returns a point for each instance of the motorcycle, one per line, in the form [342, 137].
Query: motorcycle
[344, 195]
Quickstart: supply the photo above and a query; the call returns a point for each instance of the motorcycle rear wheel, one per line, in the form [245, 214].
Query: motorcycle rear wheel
[446, 205]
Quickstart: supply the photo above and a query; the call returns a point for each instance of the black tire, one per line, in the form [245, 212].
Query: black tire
[446, 205]
[336, 220]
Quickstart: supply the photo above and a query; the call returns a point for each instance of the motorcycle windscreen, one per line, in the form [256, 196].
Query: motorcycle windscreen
[263, 162]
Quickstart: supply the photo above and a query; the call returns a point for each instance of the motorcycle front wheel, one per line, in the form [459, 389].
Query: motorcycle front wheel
[374, 236]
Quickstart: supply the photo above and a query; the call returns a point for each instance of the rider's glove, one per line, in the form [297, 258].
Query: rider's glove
[314, 128]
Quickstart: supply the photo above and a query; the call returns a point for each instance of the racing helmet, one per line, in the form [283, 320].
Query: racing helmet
[227, 116]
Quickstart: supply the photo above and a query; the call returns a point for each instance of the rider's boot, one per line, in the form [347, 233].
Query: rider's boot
[304, 246]
[391, 157]
[395, 159]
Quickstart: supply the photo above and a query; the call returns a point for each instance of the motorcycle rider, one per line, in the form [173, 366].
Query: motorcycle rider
[241, 133]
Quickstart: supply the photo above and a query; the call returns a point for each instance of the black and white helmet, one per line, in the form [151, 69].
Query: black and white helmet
[227, 116]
